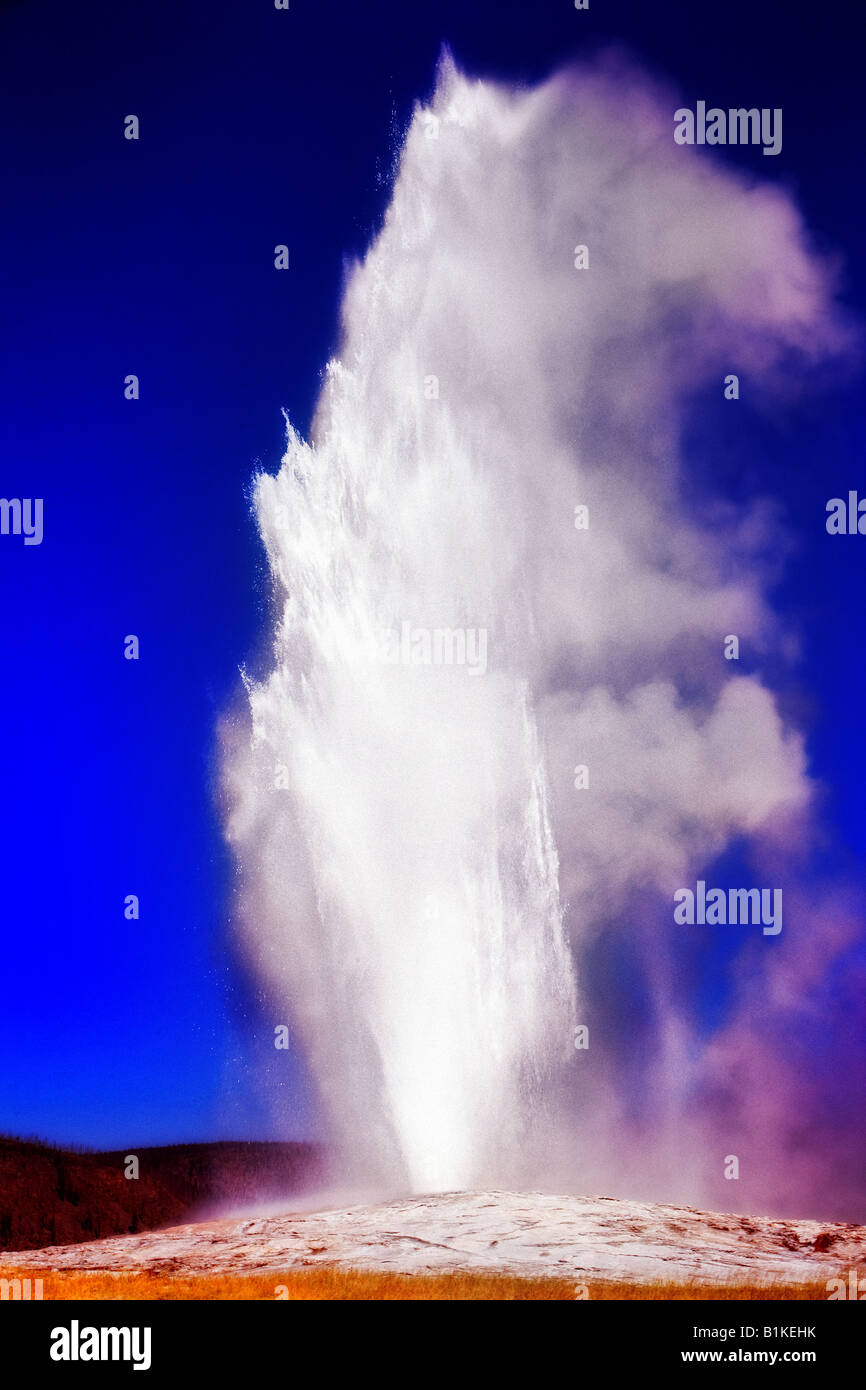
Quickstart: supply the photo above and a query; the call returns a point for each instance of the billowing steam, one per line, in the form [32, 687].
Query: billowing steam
[421, 880]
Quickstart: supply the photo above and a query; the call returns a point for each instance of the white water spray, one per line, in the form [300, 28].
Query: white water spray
[425, 961]
[446, 641]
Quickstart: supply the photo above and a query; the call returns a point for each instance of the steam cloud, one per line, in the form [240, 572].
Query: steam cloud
[406, 889]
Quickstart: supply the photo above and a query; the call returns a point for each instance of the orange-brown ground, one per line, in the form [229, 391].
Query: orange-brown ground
[327, 1283]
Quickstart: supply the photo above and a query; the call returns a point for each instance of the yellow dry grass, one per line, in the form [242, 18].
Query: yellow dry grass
[331, 1283]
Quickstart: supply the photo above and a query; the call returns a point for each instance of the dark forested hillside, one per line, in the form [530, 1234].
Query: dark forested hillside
[50, 1196]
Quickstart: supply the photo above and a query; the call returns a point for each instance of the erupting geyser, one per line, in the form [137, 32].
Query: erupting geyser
[555, 278]
[405, 878]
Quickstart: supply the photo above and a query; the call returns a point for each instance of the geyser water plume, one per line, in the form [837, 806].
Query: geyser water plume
[400, 884]
[426, 963]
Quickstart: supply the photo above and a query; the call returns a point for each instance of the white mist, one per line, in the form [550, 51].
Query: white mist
[400, 892]
[406, 893]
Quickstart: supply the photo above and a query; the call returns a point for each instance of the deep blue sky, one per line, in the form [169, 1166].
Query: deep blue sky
[156, 257]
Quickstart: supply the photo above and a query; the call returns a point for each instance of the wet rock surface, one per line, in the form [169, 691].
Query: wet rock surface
[527, 1233]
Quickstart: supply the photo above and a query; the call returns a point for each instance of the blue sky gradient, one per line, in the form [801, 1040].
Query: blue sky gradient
[156, 257]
